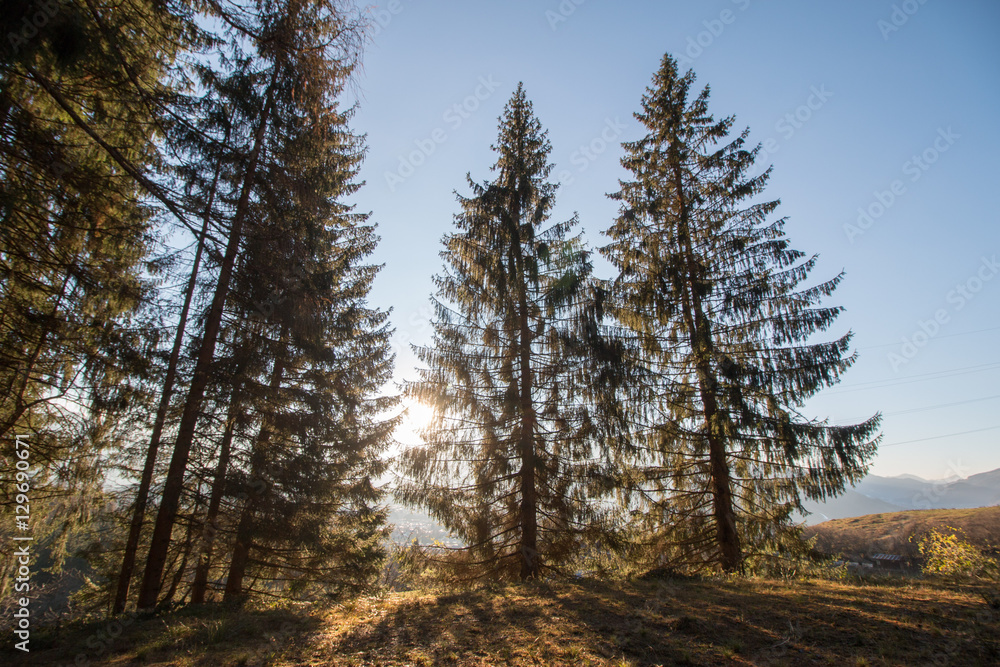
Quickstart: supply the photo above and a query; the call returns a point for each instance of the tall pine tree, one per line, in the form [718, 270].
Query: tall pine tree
[506, 462]
[307, 476]
[719, 323]
[287, 55]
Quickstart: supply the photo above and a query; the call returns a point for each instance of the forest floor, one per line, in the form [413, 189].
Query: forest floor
[880, 621]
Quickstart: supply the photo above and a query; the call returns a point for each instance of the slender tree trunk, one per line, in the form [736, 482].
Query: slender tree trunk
[530, 558]
[185, 555]
[148, 468]
[211, 528]
[727, 536]
[244, 531]
[174, 483]
[241, 554]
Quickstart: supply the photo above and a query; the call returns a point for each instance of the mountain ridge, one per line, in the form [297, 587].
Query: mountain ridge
[876, 494]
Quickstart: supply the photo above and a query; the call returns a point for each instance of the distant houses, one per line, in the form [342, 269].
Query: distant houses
[889, 562]
[877, 562]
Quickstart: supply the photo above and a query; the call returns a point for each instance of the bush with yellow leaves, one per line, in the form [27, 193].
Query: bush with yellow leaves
[949, 554]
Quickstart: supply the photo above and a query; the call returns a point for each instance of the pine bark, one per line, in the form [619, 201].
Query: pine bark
[530, 565]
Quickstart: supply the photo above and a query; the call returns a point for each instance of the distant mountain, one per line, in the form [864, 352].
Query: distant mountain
[899, 491]
[849, 504]
[989, 479]
[914, 477]
[875, 494]
[980, 490]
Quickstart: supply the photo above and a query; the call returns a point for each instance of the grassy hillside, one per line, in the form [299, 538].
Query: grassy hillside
[573, 623]
[891, 533]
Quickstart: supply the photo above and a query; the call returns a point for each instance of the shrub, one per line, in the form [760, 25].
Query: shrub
[951, 555]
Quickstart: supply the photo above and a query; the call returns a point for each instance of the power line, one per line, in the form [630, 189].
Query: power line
[938, 437]
[923, 409]
[977, 367]
[942, 405]
[909, 379]
[961, 333]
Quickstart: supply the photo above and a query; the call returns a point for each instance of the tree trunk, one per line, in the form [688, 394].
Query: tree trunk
[211, 528]
[530, 561]
[174, 484]
[530, 558]
[700, 339]
[241, 554]
[244, 531]
[185, 555]
[725, 517]
[148, 468]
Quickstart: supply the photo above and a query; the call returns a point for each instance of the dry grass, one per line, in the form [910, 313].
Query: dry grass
[891, 532]
[739, 622]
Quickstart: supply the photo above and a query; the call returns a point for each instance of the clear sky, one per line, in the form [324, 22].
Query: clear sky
[887, 109]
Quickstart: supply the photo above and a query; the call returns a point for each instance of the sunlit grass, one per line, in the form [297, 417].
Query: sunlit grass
[586, 622]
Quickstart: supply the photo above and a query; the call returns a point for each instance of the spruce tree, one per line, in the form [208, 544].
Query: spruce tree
[74, 232]
[506, 461]
[301, 431]
[77, 237]
[718, 321]
[306, 505]
[166, 394]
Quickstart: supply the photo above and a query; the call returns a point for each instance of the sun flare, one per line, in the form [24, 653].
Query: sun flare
[416, 417]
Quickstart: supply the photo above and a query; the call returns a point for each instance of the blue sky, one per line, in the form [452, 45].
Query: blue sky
[886, 109]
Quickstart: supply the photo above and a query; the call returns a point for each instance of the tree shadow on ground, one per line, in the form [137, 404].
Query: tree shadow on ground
[201, 633]
[671, 622]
